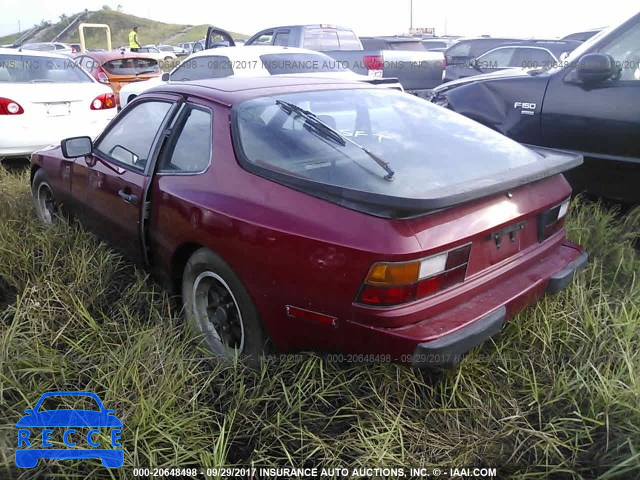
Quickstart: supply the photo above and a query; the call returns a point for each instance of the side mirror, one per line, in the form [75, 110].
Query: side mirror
[109, 411]
[473, 63]
[596, 68]
[165, 77]
[124, 155]
[29, 411]
[76, 147]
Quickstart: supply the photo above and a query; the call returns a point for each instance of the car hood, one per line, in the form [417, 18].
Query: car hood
[69, 418]
[509, 73]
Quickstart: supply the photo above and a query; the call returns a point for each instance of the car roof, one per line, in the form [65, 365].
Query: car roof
[231, 90]
[113, 55]
[309, 25]
[32, 53]
[554, 46]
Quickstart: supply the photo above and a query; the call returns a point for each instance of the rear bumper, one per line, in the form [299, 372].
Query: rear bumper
[448, 350]
[442, 339]
[24, 138]
[562, 279]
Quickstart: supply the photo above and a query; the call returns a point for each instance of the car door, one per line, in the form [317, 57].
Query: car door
[600, 120]
[181, 169]
[261, 38]
[218, 38]
[109, 186]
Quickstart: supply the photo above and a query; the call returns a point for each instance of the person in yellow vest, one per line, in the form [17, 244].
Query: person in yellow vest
[134, 44]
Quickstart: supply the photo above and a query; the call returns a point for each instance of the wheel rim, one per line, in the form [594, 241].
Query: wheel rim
[47, 205]
[217, 314]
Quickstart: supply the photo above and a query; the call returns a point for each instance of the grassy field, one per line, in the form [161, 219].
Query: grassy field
[557, 395]
[121, 24]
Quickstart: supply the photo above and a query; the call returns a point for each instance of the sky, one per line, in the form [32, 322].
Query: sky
[541, 18]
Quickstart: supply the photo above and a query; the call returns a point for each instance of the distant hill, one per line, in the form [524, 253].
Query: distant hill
[149, 31]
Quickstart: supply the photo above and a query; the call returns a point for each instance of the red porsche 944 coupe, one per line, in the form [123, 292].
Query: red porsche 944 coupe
[299, 213]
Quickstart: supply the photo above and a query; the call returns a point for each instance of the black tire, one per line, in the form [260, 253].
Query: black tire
[48, 209]
[219, 310]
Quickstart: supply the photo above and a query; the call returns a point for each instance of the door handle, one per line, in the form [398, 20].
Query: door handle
[128, 197]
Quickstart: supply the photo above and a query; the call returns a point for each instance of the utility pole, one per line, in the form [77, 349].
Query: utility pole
[19, 29]
[410, 15]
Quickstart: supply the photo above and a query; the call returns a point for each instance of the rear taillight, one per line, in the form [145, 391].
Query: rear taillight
[552, 220]
[9, 107]
[373, 62]
[101, 75]
[104, 102]
[393, 283]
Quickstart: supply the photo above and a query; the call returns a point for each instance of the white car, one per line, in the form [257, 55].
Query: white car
[160, 55]
[46, 97]
[57, 47]
[257, 61]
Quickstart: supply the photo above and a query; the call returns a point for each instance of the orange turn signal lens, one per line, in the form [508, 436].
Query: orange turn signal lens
[393, 273]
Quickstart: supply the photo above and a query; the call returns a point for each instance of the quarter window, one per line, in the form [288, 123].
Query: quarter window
[130, 140]
[498, 58]
[190, 151]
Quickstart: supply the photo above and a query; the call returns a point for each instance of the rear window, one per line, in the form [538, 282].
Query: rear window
[428, 148]
[199, 68]
[373, 44]
[32, 69]
[348, 40]
[460, 49]
[321, 39]
[413, 46]
[132, 66]
[434, 44]
[289, 63]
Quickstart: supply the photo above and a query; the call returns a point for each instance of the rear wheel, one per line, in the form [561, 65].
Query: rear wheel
[220, 311]
[47, 207]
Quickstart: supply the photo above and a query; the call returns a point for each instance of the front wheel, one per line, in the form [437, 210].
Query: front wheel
[220, 311]
[47, 207]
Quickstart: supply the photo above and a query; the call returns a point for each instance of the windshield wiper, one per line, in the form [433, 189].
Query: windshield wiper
[317, 126]
[145, 71]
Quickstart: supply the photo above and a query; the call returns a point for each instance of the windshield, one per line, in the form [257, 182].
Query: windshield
[574, 56]
[283, 64]
[34, 69]
[74, 402]
[132, 66]
[428, 148]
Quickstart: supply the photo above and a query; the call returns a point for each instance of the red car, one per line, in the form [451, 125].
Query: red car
[296, 213]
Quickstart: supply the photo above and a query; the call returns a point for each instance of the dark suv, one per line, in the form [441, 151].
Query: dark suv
[513, 54]
[588, 104]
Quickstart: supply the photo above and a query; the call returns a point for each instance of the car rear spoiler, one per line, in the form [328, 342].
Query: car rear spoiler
[385, 81]
[552, 162]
